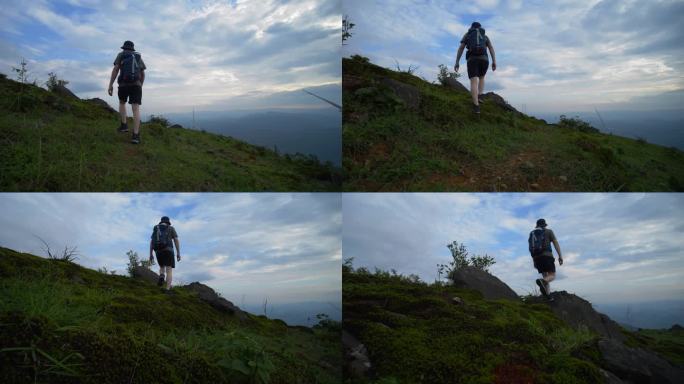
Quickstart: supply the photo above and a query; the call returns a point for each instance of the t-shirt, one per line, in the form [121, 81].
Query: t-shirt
[172, 235]
[549, 237]
[141, 63]
[481, 57]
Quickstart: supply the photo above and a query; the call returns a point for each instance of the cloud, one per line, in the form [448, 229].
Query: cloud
[552, 56]
[617, 247]
[256, 245]
[208, 51]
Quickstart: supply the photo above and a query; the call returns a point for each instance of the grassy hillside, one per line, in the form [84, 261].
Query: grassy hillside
[56, 143]
[414, 333]
[436, 143]
[62, 323]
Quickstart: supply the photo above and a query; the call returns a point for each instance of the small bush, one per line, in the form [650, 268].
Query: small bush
[159, 119]
[445, 75]
[361, 59]
[53, 82]
[134, 261]
[577, 124]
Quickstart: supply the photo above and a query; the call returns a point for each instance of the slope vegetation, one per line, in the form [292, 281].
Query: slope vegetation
[402, 133]
[62, 323]
[412, 332]
[57, 142]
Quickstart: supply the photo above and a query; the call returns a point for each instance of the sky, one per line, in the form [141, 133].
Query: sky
[211, 55]
[280, 246]
[617, 248]
[552, 56]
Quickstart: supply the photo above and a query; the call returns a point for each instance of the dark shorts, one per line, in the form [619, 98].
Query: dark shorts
[130, 93]
[477, 68]
[165, 258]
[545, 264]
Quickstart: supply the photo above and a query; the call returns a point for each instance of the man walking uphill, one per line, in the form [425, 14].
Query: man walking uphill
[163, 239]
[540, 248]
[130, 68]
[477, 43]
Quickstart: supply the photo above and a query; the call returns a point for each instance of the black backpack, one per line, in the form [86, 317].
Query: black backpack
[537, 242]
[476, 42]
[161, 238]
[130, 67]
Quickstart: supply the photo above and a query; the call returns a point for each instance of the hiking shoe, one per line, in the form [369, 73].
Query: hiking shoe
[476, 109]
[542, 287]
[123, 128]
[161, 280]
[135, 139]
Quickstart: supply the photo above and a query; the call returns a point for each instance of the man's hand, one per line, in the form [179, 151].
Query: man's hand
[151, 260]
[494, 66]
[178, 257]
[456, 67]
[560, 260]
[110, 90]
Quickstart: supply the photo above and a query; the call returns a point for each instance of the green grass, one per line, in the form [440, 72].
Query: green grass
[668, 343]
[414, 334]
[442, 146]
[62, 323]
[50, 143]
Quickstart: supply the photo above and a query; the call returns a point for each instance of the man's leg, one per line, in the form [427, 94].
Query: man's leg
[549, 277]
[136, 118]
[480, 86]
[169, 276]
[161, 276]
[474, 89]
[122, 111]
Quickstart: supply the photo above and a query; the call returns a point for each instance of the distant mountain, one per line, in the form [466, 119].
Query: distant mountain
[663, 127]
[651, 315]
[303, 313]
[310, 132]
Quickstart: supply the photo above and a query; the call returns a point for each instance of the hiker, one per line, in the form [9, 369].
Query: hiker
[132, 76]
[163, 238]
[540, 248]
[477, 43]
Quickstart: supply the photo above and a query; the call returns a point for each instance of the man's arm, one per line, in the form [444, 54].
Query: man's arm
[557, 246]
[142, 77]
[151, 248]
[491, 52]
[458, 56]
[177, 243]
[115, 71]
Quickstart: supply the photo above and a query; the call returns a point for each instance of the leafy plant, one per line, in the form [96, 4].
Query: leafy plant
[460, 259]
[53, 82]
[135, 261]
[577, 124]
[22, 71]
[445, 75]
[347, 25]
[159, 119]
[68, 254]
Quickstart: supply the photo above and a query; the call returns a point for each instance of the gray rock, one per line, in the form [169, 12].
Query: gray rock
[64, 91]
[145, 274]
[176, 126]
[103, 104]
[610, 377]
[637, 365]
[457, 300]
[409, 94]
[454, 84]
[578, 312]
[209, 296]
[498, 100]
[489, 285]
[358, 364]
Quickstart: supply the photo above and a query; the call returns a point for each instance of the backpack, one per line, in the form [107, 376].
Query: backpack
[537, 242]
[476, 42]
[161, 238]
[130, 67]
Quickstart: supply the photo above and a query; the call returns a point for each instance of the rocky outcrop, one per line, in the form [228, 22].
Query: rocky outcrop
[357, 363]
[145, 274]
[638, 366]
[577, 312]
[498, 100]
[489, 285]
[64, 91]
[409, 94]
[103, 104]
[454, 84]
[209, 296]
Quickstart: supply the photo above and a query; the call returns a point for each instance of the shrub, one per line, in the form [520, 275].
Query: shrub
[159, 119]
[459, 254]
[577, 124]
[444, 75]
[53, 82]
[134, 261]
